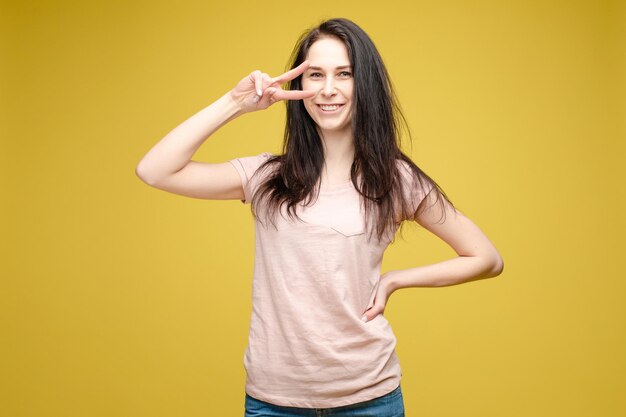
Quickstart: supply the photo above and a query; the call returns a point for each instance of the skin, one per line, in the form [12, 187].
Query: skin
[477, 258]
[168, 166]
[258, 91]
[326, 78]
[330, 76]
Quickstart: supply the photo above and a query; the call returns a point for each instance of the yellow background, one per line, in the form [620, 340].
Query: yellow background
[118, 299]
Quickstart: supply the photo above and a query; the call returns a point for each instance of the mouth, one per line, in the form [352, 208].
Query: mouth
[330, 108]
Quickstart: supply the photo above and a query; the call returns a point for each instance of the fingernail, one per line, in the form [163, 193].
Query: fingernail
[259, 92]
[364, 318]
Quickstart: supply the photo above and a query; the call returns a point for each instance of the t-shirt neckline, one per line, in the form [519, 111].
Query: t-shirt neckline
[336, 187]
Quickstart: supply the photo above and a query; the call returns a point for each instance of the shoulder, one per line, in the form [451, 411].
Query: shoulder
[404, 167]
[407, 173]
[414, 184]
[251, 176]
[248, 165]
[259, 158]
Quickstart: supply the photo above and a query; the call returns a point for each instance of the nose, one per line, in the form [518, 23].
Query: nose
[329, 87]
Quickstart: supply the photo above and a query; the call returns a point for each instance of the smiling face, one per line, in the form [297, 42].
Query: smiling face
[330, 76]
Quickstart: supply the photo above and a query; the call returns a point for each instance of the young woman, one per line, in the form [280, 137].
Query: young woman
[325, 210]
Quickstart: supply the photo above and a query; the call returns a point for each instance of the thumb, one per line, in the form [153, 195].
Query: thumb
[369, 314]
[370, 310]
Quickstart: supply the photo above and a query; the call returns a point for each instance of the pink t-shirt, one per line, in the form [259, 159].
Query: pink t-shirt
[307, 346]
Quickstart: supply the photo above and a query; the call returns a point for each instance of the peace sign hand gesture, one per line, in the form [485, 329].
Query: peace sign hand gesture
[258, 90]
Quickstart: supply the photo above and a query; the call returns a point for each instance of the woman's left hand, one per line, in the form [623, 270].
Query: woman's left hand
[379, 297]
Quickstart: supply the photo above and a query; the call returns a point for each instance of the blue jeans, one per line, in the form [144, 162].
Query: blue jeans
[389, 405]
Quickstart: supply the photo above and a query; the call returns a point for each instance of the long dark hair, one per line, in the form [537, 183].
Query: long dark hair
[376, 126]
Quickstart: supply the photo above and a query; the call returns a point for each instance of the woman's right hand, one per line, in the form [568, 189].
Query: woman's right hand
[258, 90]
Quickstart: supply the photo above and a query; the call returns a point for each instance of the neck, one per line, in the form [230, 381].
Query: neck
[338, 155]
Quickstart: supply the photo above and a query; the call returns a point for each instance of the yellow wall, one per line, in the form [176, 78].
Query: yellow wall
[118, 299]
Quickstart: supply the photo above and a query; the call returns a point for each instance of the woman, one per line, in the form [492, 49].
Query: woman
[325, 210]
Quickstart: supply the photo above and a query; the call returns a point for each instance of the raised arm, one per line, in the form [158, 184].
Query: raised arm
[168, 165]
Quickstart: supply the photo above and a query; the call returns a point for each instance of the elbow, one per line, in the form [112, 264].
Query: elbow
[496, 266]
[141, 175]
[138, 172]
[144, 175]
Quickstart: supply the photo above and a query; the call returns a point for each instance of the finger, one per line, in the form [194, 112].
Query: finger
[291, 74]
[370, 314]
[271, 95]
[293, 94]
[266, 80]
[258, 82]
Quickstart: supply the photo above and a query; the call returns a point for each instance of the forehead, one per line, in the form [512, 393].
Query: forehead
[328, 53]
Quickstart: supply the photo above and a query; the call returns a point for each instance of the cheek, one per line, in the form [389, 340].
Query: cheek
[308, 105]
[350, 93]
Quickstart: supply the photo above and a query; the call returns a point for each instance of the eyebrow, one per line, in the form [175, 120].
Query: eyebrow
[319, 68]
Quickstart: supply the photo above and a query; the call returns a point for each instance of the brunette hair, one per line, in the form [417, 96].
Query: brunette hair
[376, 125]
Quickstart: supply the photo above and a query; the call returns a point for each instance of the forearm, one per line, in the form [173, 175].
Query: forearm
[446, 273]
[176, 149]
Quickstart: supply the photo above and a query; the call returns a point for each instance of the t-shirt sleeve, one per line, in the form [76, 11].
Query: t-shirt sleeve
[246, 167]
[412, 190]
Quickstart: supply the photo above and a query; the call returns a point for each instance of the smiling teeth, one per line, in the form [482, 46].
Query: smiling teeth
[329, 107]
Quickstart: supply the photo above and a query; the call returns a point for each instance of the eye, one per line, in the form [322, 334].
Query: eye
[314, 74]
[346, 73]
